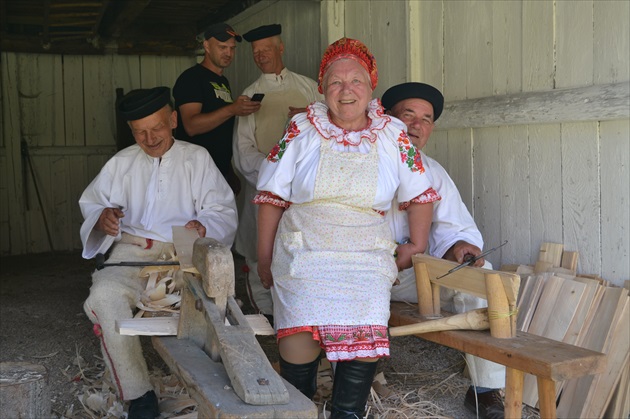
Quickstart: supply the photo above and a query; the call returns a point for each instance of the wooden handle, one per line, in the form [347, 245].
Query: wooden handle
[471, 320]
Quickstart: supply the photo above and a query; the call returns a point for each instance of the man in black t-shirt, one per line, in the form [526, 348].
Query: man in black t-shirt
[204, 102]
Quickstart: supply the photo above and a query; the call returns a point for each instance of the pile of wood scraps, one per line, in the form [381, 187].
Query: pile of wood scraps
[557, 302]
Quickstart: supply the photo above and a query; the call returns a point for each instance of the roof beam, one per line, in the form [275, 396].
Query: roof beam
[129, 12]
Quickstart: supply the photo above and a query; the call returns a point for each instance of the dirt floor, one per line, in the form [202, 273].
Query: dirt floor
[42, 322]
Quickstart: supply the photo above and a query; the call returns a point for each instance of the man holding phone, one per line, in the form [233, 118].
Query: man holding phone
[285, 94]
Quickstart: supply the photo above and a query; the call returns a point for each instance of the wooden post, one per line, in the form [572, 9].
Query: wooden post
[423, 287]
[498, 308]
[437, 304]
[513, 393]
[24, 390]
[547, 398]
[215, 263]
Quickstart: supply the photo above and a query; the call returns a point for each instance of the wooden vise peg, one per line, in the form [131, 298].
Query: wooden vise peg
[214, 262]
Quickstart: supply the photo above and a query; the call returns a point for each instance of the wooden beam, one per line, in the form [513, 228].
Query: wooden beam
[148, 326]
[126, 15]
[591, 103]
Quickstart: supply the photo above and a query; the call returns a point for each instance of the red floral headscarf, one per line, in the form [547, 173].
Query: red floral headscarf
[352, 49]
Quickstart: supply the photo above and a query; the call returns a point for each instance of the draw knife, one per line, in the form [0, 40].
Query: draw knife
[472, 260]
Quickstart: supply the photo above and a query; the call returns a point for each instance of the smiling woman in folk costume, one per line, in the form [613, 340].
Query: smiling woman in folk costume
[323, 243]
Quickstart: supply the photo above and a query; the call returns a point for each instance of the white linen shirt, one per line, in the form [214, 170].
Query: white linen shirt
[190, 187]
[451, 220]
[247, 157]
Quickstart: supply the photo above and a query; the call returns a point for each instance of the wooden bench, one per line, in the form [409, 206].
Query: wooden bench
[549, 360]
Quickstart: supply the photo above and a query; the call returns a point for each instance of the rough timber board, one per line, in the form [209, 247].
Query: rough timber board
[469, 280]
[208, 383]
[526, 352]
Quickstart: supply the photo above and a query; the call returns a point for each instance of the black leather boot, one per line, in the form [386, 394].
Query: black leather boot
[145, 407]
[351, 388]
[301, 376]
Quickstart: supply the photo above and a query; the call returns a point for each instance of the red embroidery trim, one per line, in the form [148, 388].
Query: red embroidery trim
[265, 197]
[149, 244]
[430, 195]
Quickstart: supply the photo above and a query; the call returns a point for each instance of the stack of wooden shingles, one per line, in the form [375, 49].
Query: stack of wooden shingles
[582, 310]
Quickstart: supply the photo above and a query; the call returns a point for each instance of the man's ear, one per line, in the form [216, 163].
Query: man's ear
[388, 112]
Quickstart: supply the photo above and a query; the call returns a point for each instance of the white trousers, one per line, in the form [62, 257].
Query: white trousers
[483, 373]
[113, 296]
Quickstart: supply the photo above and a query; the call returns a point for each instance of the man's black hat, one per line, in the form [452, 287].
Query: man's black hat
[263, 32]
[403, 91]
[222, 32]
[141, 103]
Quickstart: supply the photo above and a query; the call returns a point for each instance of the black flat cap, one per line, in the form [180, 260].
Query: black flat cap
[141, 103]
[263, 32]
[222, 32]
[403, 91]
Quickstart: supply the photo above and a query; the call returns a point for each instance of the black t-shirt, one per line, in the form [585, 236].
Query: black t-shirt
[200, 85]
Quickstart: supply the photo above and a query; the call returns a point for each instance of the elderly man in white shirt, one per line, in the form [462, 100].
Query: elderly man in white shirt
[454, 235]
[129, 209]
[285, 94]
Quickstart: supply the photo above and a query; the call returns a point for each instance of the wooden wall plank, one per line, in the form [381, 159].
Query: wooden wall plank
[60, 210]
[459, 163]
[487, 188]
[574, 43]
[126, 74]
[100, 123]
[73, 100]
[581, 193]
[538, 45]
[615, 198]
[514, 193]
[41, 102]
[39, 220]
[11, 131]
[611, 41]
[431, 27]
[77, 182]
[5, 242]
[478, 41]
[455, 49]
[506, 47]
[545, 186]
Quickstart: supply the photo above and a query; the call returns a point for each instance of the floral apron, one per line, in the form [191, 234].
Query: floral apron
[333, 257]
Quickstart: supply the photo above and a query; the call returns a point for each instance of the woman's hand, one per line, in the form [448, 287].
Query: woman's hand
[404, 253]
[264, 272]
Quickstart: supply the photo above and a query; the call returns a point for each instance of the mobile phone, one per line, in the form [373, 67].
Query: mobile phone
[258, 97]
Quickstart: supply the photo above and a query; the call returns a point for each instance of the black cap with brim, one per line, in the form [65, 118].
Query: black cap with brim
[222, 32]
[263, 32]
[141, 103]
[403, 91]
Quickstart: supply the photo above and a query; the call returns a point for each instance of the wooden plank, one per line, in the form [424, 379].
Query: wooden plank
[611, 28]
[73, 108]
[148, 326]
[577, 393]
[615, 200]
[459, 165]
[487, 187]
[209, 384]
[619, 406]
[184, 240]
[469, 280]
[99, 130]
[12, 134]
[455, 51]
[556, 311]
[528, 353]
[569, 260]
[514, 194]
[528, 304]
[618, 355]
[430, 59]
[558, 105]
[581, 193]
[244, 360]
[507, 42]
[538, 45]
[476, 35]
[552, 253]
[60, 226]
[545, 186]
[574, 43]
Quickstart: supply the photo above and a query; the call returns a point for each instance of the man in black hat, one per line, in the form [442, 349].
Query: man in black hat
[286, 93]
[204, 100]
[129, 209]
[454, 234]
